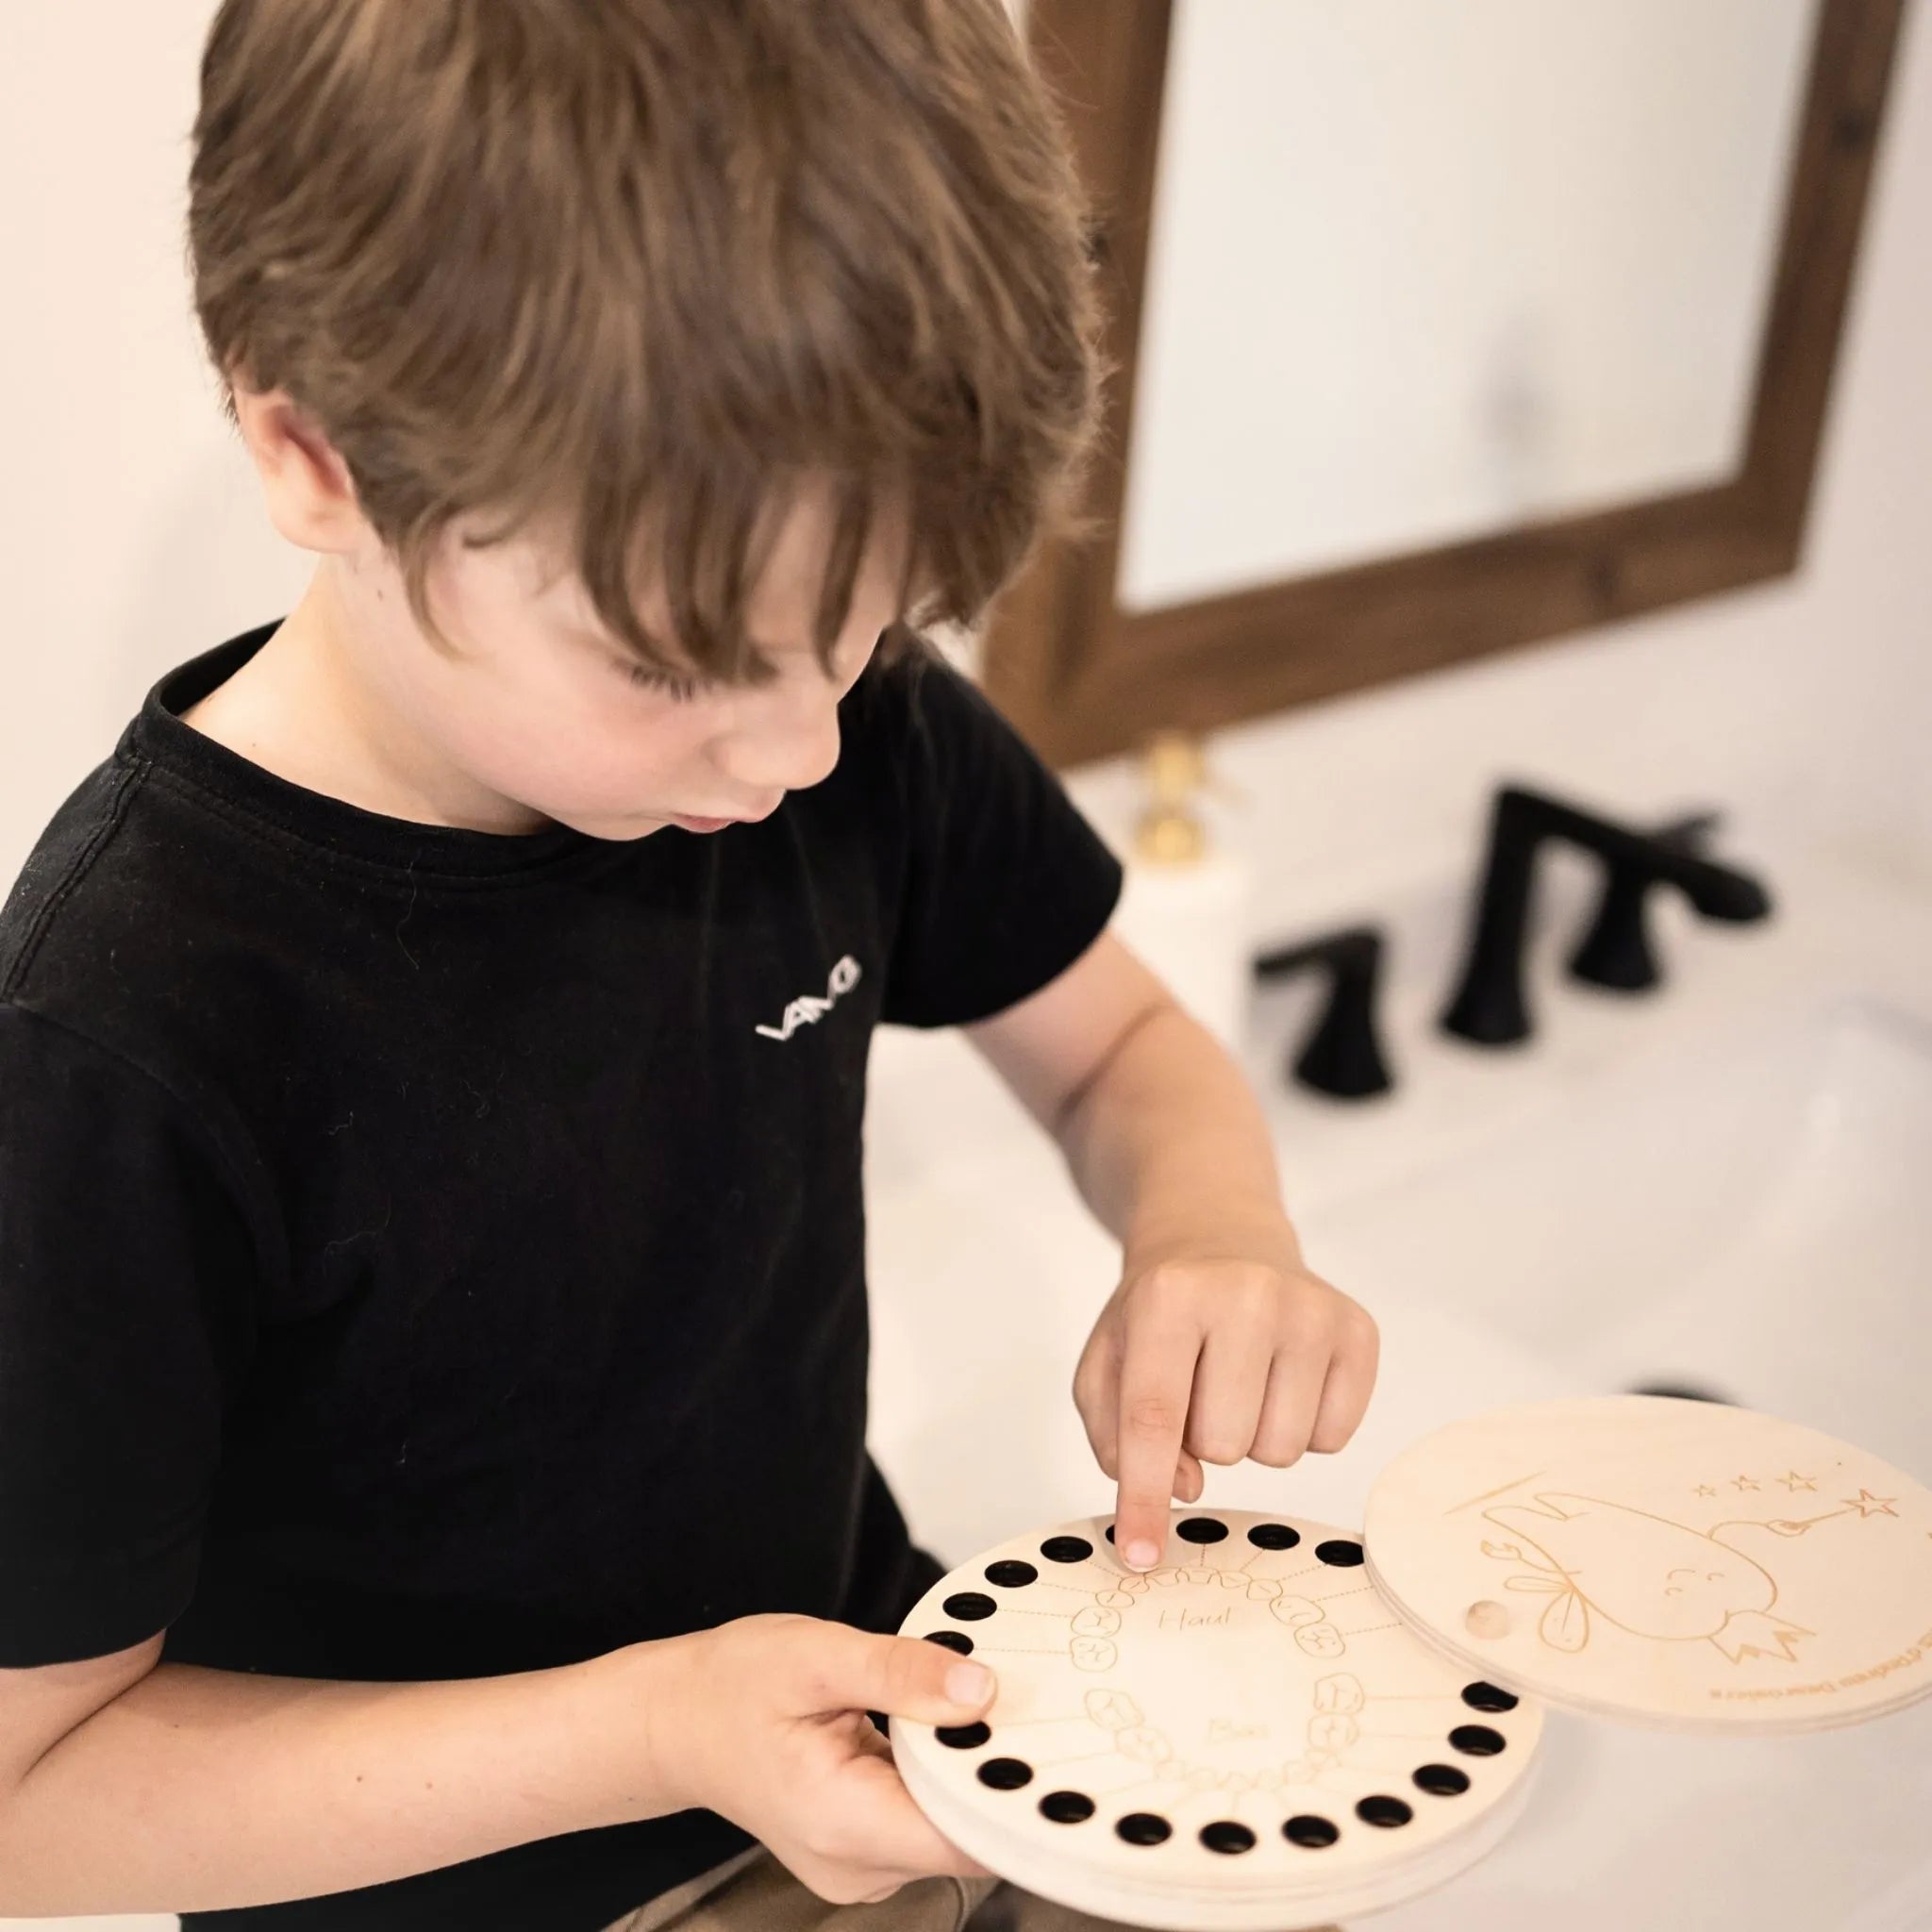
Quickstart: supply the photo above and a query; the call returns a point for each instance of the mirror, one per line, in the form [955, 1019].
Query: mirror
[1429, 337]
[1439, 329]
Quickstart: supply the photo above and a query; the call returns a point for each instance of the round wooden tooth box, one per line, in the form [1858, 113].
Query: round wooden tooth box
[1287, 1725]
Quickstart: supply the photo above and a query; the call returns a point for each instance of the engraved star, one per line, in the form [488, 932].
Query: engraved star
[1743, 1482]
[1795, 1481]
[1705, 1490]
[1866, 1504]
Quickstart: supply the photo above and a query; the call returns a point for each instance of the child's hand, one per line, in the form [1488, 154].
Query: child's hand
[1213, 1349]
[764, 1720]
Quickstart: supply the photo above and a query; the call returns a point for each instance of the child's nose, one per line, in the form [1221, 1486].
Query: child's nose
[789, 753]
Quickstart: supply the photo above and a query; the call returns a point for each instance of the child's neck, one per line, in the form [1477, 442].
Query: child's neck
[300, 709]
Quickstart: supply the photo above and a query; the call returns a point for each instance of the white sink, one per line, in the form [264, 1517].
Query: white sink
[1728, 1183]
[1748, 1210]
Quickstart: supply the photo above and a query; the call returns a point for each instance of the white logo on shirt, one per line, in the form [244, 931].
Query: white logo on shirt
[807, 1009]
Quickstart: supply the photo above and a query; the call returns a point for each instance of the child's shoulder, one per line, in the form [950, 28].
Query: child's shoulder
[66, 898]
[110, 929]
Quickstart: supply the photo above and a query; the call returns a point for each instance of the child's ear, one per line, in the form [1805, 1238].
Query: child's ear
[311, 496]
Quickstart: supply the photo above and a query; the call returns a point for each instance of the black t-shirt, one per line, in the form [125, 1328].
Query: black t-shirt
[429, 1254]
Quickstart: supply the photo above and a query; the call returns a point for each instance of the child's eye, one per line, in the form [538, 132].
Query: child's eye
[679, 690]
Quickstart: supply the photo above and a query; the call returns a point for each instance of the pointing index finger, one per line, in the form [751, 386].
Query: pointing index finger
[1156, 1378]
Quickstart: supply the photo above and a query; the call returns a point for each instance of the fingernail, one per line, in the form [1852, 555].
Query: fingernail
[1142, 1555]
[968, 1683]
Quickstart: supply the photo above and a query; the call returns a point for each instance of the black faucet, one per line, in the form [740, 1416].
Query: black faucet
[1489, 1006]
[1341, 1055]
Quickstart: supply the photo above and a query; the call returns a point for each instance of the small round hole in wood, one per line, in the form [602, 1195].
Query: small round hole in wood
[1487, 1619]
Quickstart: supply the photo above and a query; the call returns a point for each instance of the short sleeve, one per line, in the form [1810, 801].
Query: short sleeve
[1006, 883]
[125, 1322]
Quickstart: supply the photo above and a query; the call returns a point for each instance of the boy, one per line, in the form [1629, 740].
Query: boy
[433, 1489]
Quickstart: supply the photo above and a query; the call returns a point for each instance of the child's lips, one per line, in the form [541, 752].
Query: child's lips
[693, 822]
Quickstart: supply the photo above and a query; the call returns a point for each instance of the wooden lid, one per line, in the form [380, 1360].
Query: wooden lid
[1682, 1564]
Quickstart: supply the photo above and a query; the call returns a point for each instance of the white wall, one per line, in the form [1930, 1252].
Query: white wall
[133, 534]
[133, 529]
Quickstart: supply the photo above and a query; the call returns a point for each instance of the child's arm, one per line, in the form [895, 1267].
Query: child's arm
[196, 1790]
[1217, 1344]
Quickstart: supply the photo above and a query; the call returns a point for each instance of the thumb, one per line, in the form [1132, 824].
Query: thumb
[909, 1676]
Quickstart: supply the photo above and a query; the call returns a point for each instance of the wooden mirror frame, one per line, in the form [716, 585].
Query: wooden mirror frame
[1084, 680]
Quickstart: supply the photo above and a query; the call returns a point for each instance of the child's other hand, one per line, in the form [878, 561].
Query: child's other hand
[1212, 1350]
[764, 1720]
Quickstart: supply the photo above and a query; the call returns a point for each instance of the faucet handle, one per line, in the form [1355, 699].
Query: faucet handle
[1341, 1055]
[1617, 951]
[1488, 1006]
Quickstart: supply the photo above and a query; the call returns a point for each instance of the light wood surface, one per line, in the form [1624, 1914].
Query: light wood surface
[1682, 1564]
[1245, 1739]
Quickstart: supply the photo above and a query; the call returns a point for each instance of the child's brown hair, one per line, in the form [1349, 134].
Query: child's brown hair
[648, 266]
